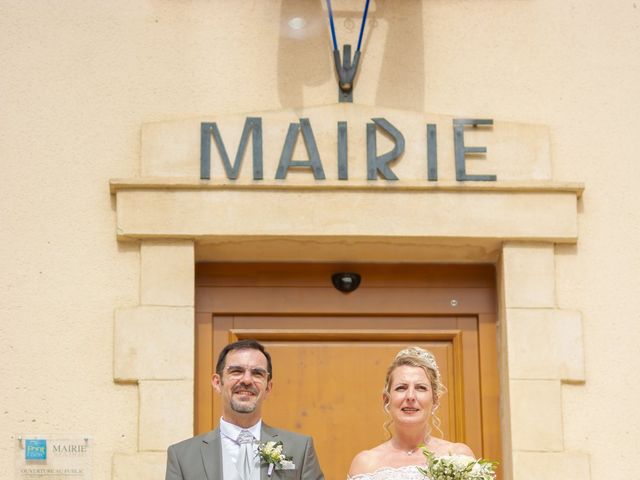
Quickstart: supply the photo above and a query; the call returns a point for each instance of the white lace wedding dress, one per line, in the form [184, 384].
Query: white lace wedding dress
[409, 472]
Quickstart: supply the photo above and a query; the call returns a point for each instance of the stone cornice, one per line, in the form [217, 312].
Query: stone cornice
[177, 183]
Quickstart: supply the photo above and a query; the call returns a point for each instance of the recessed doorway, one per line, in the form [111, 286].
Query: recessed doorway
[331, 350]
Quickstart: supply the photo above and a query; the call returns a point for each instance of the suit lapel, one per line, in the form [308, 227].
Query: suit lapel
[211, 450]
[267, 434]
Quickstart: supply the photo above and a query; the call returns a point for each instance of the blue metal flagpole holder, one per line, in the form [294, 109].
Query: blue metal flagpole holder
[346, 70]
[346, 67]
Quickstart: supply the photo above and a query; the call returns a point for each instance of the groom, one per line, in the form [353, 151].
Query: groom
[243, 381]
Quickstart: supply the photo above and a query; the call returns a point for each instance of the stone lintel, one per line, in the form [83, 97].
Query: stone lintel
[549, 216]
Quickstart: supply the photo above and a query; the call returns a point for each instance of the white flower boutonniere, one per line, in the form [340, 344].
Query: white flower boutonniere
[457, 467]
[272, 454]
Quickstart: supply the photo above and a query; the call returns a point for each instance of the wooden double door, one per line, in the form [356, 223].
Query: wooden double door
[331, 350]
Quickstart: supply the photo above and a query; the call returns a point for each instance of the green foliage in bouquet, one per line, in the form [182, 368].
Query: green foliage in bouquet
[457, 467]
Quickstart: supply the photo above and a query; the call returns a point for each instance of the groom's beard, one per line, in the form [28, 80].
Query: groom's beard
[243, 407]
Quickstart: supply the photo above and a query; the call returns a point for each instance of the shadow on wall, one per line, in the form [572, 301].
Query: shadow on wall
[305, 58]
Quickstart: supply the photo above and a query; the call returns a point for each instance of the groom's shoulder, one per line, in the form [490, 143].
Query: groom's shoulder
[287, 434]
[193, 441]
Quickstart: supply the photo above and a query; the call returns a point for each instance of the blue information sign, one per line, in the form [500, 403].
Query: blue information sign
[35, 449]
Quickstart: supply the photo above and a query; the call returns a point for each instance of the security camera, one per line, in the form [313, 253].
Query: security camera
[346, 282]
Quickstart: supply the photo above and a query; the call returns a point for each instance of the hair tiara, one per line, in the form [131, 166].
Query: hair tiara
[427, 357]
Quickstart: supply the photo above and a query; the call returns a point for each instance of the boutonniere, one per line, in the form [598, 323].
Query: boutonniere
[271, 453]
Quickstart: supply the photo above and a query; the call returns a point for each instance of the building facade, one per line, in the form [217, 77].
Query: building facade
[131, 251]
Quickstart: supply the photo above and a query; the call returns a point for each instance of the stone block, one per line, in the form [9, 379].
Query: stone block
[166, 413]
[529, 275]
[481, 213]
[139, 466]
[550, 466]
[545, 344]
[173, 148]
[536, 415]
[167, 273]
[154, 343]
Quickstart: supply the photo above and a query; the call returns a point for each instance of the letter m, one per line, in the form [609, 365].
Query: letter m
[253, 127]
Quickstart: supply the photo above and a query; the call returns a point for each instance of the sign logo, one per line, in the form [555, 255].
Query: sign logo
[35, 449]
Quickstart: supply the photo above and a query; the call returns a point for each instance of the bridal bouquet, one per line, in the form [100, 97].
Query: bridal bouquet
[457, 467]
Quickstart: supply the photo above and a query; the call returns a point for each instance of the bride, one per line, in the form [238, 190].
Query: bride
[411, 395]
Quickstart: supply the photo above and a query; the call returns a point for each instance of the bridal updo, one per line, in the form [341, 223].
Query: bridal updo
[421, 358]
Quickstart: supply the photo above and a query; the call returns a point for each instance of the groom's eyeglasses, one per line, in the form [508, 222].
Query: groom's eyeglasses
[257, 373]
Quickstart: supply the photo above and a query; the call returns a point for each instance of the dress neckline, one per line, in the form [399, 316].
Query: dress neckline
[385, 469]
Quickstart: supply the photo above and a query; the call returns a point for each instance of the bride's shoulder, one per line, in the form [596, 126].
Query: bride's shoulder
[444, 447]
[367, 461]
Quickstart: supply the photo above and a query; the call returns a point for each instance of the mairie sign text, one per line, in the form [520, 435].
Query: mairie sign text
[378, 165]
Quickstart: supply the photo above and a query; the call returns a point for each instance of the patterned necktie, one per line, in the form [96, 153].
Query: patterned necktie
[245, 462]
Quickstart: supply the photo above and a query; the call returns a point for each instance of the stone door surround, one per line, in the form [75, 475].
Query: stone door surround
[514, 222]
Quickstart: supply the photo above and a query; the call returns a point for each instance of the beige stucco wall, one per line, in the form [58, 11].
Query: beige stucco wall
[79, 81]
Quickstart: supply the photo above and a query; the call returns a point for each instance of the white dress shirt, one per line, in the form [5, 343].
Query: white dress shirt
[231, 449]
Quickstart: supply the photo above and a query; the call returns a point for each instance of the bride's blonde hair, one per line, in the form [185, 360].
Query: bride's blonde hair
[424, 359]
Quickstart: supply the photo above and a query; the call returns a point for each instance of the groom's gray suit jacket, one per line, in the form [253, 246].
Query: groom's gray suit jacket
[200, 458]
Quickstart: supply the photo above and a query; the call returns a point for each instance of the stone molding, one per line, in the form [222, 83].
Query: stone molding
[550, 344]
[180, 183]
[166, 273]
[200, 212]
[153, 343]
[153, 347]
[158, 428]
[543, 347]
